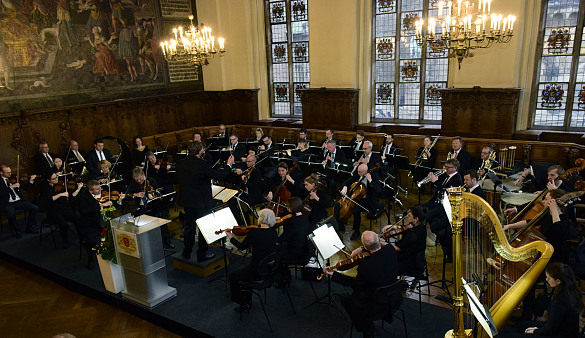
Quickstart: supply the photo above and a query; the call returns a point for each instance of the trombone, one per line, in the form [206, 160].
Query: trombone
[424, 156]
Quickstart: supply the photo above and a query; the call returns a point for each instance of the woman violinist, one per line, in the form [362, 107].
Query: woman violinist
[315, 199]
[55, 198]
[262, 240]
[281, 188]
[412, 243]
[157, 170]
[59, 167]
[106, 172]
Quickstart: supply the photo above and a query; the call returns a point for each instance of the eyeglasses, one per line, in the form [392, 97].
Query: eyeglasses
[449, 167]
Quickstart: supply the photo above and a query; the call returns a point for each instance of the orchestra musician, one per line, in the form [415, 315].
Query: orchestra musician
[144, 191]
[12, 200]
[316, 197]
[460, 154]
[304, 134]
[59, 167]
[99, 153]
[56, 201]
[194, 175]
[540, 182]
[470, 178]
[435, 212]
[222, 131]
[554, 226]
[74, 154]
[329, 134]
[44, 160]
[429, 159]
[206, 155]
[357, 143]
[412, 243]
[293, 242]
[333, 155]
[157, 171]
[251, 183]
[258, 133]
[262, 240]
[139, 152]
[370, 201]
[283, 181]
[370, 158]
[91, 222]
[301, 153]
[388, 152]
[105, 168]
[237, 149]
[484, 162]
[267, 147]
[378, 270]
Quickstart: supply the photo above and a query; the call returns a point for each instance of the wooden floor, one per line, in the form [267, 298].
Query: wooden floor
[33, 306]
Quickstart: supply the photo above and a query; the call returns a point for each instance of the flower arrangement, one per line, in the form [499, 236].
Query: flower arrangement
[105, 246]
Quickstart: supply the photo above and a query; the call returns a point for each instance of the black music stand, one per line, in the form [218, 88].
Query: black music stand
[479, 310]
[327, 242]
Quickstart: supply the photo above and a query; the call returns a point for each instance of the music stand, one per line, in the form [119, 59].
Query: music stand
[443, 282]
[219, 219]
[328, 243]
[479, 310]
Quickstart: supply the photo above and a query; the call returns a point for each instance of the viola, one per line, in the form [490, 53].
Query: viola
[24, 178]
[61, 186]
[238, 230]
[248, 173]
[355, 194]
[348, 263]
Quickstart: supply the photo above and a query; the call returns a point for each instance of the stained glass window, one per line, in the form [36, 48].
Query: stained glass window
[559, 91]
[287, 27]
[406, 76]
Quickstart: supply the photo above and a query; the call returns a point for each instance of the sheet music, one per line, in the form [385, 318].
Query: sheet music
[327, 241]
[222, 194]
[218, 220]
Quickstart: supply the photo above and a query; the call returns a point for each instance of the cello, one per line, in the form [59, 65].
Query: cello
[536, 206]
[281, 194]
[355, 194]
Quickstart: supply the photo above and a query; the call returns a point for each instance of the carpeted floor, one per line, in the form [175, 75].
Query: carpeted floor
[202, 307]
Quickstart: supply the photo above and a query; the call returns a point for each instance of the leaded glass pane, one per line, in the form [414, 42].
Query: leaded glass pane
[555, 68]
[288, 54]
[385, 48]
[559, 40]
[411, 5]
[385, 71]
[384, 111]
[432, 113]
[437, 69]
[386, 25]
[562, 13]
[385, 6]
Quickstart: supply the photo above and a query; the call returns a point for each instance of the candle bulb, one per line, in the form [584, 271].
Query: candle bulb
[221, 43]
[459, 7]
[512, 24]
[483, 19]
[175, 31]
[162, 46]
[181, 32]
[441, 4]
[449, 4]
[489, 5]
[212, 42]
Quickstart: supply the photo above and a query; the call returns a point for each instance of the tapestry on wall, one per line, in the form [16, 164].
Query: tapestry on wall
[87, 49]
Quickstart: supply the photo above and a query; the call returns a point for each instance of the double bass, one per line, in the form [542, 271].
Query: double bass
[355, 194]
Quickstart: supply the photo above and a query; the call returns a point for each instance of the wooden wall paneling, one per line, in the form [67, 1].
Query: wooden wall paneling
[330, 107]
[479, 112]
[83, 130]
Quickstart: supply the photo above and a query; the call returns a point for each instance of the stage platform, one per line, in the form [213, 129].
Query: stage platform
[202, 308]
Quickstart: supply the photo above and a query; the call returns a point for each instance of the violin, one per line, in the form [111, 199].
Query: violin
[307, 206]
[238, 230]
[396, 231]
[248, 173]
[109, 196]
[282, 221]
[61, 186]
[348, 263]
[356, 193]
[24, 178]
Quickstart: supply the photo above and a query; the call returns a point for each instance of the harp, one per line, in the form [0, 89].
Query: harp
[482, 253]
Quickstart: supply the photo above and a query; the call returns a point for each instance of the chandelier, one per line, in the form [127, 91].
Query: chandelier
[459, 30]
[192, 45]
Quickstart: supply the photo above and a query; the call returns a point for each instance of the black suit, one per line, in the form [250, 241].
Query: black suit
[371, 201]
[374, 160]
[436, 213]
[70, 157]
[194, 176]
[479, 192]
[239, 151]
[338, 157]
[10, 208]
[92, 161]
[431, 161]
[43, 166]
[354, 142]
[464, 160]
[380, 269]
[91, 221]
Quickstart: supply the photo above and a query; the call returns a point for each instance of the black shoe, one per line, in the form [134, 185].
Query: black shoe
[355, 235]
[186, 255]
[168, 244]
[32, 231]
[242, 308]
[207, 256]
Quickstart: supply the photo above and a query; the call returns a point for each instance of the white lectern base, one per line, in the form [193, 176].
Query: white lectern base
[170, 293]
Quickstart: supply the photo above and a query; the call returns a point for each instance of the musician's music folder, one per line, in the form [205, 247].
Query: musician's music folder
[222, 194]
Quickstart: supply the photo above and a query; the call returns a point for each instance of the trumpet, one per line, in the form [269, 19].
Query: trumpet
[425, 153]
[428, 179]
[487, 164]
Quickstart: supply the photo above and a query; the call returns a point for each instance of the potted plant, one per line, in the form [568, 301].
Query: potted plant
[112, 274]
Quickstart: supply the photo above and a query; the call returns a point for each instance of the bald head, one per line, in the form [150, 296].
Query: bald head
[362, 169]
[371, 241]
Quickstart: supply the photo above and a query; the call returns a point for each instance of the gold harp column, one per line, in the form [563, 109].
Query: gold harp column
[455, 199]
